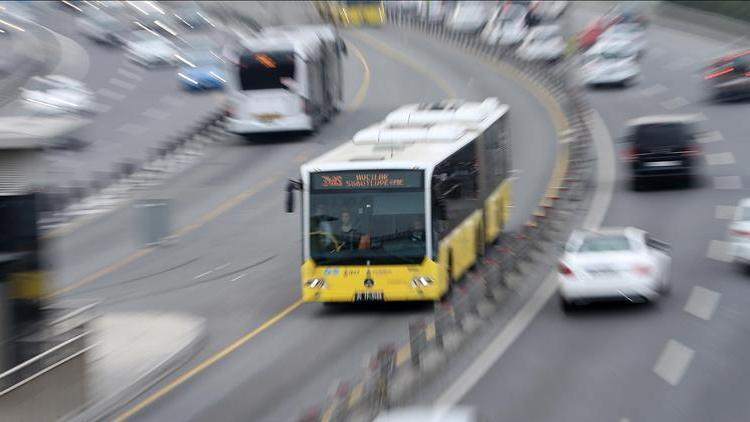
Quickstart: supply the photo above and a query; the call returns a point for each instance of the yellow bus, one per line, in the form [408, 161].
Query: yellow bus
[353, 12]
[407, 206]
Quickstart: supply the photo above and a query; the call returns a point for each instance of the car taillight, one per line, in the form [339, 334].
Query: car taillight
[718, 73]
[741, 233]
[642, 269]
[630, 154]
[692, 151]
[564, 269]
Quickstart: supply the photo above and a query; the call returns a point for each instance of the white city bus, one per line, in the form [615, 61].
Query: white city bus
[289, 78]
[407, 206]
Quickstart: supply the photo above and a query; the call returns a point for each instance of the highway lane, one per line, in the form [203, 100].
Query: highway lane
[682, 358]
[196, 275]
[138, 108]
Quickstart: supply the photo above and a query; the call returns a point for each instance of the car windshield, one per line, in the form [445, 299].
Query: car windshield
[662, 134]
[608, 243]
[743, 214]
[354, 221]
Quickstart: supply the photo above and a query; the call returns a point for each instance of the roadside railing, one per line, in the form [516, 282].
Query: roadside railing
[394, 373]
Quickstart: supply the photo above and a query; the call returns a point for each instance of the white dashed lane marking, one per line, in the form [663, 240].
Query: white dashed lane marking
[702, 302]
[239, 276]
[202, 275]
[713, 136]
[719, 250]
[724, 212]
[122, 84]
[674, 103]
[673, 362]
[129, 74]
[720, 159]
[112, 95]
[727, 182]
[652, 90]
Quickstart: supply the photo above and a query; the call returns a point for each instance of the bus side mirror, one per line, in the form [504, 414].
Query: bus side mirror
[291, 186]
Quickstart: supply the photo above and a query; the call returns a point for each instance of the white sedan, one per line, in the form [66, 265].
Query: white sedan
[739, 233]
[610, 62]
[507, 26]
[543, 43]
[149, 49]
[624, 264]
[631, 33]
[56, 94]
[469, 17]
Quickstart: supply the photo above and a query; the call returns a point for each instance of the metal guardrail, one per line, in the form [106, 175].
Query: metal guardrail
[516, 254]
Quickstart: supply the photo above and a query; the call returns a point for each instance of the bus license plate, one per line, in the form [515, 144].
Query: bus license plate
[368, 297]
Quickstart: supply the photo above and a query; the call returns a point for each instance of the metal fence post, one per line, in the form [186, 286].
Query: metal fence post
[417, 341]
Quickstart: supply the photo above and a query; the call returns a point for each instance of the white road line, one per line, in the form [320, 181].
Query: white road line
[129, 74]
[239, 276]
[713, 136]
[673, 362]
[157, 114]
[702, 302]
[720, 159]
[598, 208]
[122, 84]
[202, 275]
[718, 250]
[674, 103]
[724, 212]
[112, 95]
[653, 90]
[727, 182]
[222, 266]
[132, 129]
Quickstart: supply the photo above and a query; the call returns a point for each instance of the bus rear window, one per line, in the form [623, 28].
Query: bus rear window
[265, 70]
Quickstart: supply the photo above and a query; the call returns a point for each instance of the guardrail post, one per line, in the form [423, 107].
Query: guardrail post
[442, 323]
[382, 366]
[417, 341]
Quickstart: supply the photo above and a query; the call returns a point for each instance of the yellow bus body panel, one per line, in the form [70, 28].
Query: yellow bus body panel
[497, 208]
[30, 285]
[394, 281]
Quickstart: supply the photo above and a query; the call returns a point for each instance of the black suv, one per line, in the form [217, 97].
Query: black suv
[662, 147]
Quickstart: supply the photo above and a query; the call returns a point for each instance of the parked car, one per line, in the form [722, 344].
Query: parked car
[611, 62]
[150, 50]
[102, 27]
[468, 17]
[543, 43]
[613, 264]
[663, 147]
[739, 233]
[57, 94]
[432, 11]
[631, 33]
[507, 25]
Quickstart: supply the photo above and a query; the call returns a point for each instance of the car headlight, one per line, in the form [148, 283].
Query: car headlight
[316, 283]
[420, 282]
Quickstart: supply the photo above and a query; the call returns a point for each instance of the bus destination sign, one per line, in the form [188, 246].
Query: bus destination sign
[368, 179]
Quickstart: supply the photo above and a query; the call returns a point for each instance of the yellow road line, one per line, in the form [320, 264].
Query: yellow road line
[364, 86]
[396, 55]
[403, 355]
[430, 331]
[208, 362]
[356, 394]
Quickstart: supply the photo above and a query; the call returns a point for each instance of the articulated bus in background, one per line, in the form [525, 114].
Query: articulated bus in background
[406, 207]
[353, 12]
[288, 79]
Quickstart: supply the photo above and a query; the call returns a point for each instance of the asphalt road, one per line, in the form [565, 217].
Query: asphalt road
[683, 358]
[138, 108]
[236, 261]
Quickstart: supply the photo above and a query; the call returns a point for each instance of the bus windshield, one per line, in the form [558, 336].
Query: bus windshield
[367, 216]
[265, 70]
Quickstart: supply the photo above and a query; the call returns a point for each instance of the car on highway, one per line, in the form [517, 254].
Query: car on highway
[631, 33]
[543, 42]
[610, 63]
[548, 10]
[431, 414]
[57, 94]
[201, 70]
[469, 17]
[150, 49]
[729, 77]
[102, 27]
[739, 233]
[662, 147]
[507, 25]
[613, 264]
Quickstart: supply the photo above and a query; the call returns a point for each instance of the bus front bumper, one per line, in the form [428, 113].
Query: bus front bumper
[370, 295]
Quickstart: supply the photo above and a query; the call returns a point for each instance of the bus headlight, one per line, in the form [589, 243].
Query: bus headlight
[420, 282]
[316, 283]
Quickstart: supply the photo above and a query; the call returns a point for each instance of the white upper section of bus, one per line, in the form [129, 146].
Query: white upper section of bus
[413, 136]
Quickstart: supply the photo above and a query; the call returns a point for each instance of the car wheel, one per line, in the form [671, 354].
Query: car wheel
[566, 306]
[637, 185]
